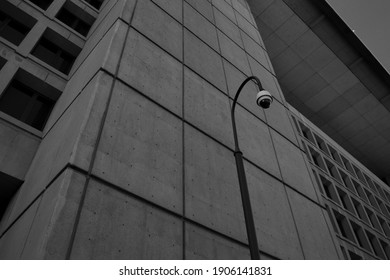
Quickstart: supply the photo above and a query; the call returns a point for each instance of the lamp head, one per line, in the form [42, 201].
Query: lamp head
[264, 99]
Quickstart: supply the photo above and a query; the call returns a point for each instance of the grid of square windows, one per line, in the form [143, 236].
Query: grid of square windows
[358, 204]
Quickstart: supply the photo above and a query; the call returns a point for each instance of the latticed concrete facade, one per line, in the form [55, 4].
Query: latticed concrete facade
[116, 140]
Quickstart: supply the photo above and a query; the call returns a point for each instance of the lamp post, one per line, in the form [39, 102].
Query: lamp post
[264, 100]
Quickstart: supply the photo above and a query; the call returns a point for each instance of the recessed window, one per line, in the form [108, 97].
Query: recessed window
[43, 4]
[344, 227]
[317, 159]
[345, 201]
[354, 256]
[14, 23]
[360, 190]
[76, 18]
[28, 99]
[56, 51]
[384, 226]
[95, 3]
[329, 190]
[321, 144]
[386, 249]
[375, 245]
[360, 236]
[2, 62]
[9, 186]
[347, 164]
[360, 211]
[307, 133]
[335, 155]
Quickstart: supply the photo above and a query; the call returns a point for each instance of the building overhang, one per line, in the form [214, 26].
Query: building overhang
[329, 75]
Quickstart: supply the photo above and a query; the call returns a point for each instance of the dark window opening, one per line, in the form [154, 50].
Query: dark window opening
[95, 3]
[2, 62]
[361, 238]
[329, 190]
[9, 186]
[360, 211]
[344, 253]
[43, 4]
[343, 226]
[373, 220]
[354, 256]
[74, 17]
[345, 201]
[321, 144]
[14, 23]
[384, 226]
[347, 164]
[28, 99]
[56, 51]
[360, 190]
[386, 249]
[375, 245]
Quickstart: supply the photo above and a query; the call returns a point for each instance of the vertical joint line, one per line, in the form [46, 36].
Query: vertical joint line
[94, 152]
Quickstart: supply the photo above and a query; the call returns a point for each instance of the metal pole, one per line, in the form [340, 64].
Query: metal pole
[246, 204]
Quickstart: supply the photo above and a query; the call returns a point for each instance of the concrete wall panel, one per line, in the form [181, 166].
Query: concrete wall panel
[154, 23]
[172, 7]
[114, 225]
[276, 232]
[255, 141]
[230, 29]
[313, 231]
[212, 192]
[203, 7]
[203, 60]
[293, 166]
[200, 26]
[207, 108]
[234, 53]
[60, 144]
[206, 245]
[140, 149]
[152, 71]
[50, 233]
[279, 120]
[12, 242]
[17, 149]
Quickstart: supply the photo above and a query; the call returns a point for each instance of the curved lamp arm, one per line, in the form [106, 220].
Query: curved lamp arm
[257, 81]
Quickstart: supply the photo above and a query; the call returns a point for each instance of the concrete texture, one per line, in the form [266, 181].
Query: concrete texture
[139, 231]
[12, 242]
[275, 225]
[207, 108]
[140, 150]
[143, 124]
[49, 235]
[200, 26]
[203, 7]
[203, 60]
[312, 228]
[233, 53]
[293, 167]
[17, 149]
[152, 71]
[158, 26]
[212, 193]
[204, 245]
[60, 145]
[255, 141]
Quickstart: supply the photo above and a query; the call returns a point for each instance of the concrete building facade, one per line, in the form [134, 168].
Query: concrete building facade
[121, 145]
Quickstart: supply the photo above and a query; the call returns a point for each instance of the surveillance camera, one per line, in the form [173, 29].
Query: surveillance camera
[264, 99]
